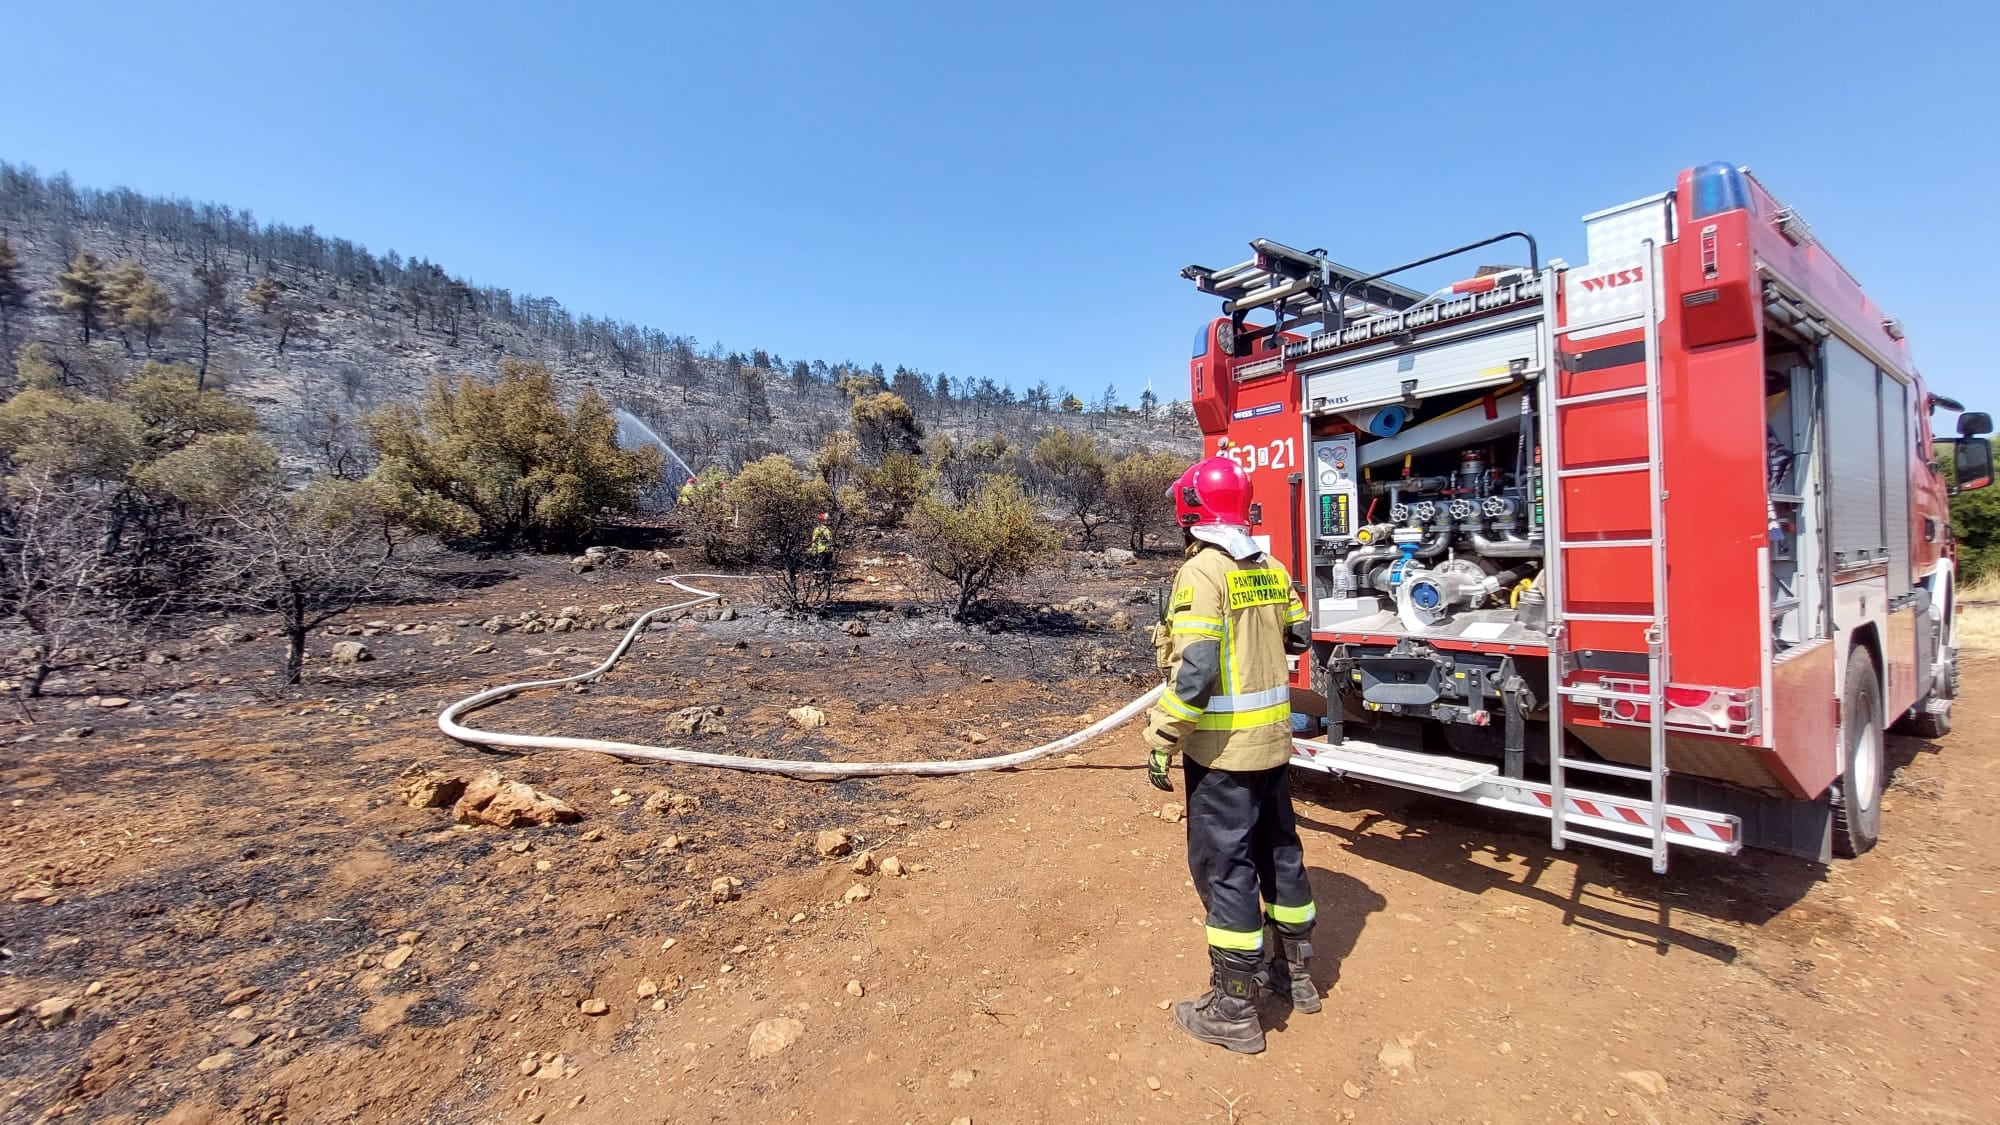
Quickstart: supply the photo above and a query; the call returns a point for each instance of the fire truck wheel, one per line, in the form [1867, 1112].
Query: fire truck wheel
[1857, 794]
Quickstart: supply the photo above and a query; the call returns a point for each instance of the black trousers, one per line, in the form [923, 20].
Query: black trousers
[1244, 854]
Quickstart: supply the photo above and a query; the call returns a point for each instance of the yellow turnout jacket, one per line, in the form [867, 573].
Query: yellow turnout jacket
[1228, 699]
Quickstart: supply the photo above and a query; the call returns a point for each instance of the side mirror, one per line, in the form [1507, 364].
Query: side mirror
[1975, 424]
[1972, 462]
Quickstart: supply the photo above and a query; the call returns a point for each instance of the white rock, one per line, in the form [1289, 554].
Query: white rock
[1646, 1081]
[774, 1035]
[1395, 1056]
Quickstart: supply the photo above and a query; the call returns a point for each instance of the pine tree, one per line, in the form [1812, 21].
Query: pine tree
[13, 294]
[210, 309]
[281, 311]
[137, 302]
[81, 290]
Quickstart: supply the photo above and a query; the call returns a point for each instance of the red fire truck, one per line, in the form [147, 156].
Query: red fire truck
[1653, 547]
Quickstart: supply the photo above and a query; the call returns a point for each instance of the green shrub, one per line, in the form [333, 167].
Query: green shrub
[976, 547]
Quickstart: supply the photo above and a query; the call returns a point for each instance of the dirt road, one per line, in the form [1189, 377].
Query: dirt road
[223, 893]
[1474, 975]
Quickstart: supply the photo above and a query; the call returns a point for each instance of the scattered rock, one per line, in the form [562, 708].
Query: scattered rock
[1120, 620]
[74, 734]
[668, 801]
[893, 867]
[242, 1012]
[34, 894]
[807, 718]
[491, 799]
[583, 564]
[960, 1079]
[217, 1061]
[774, 1035]
[946, 825]
[237, 996]
[429, 789]
[864, 864]
[231, 633]
[648, 989]
[114, 702]
[831, 842]
[395, 958]
[482, 648]
[529, 1065]
[976, 737]
[854, 988]
[722, 890]
[620, 799]
[1395, 1056]
[1646, 1081]
[55, 1011]
[243, 1038]
[856, 629]
[1152, 1082]
[592, 836]
[1119, 556]
[697, 720]
[594, 1007]
[351, 652]
[1352, 1090]
[859, 892]
[1171, 813]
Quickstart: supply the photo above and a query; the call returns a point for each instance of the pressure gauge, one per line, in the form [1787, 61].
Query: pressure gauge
[1328, 478]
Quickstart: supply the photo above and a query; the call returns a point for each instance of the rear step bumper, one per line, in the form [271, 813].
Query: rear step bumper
[1482, 784]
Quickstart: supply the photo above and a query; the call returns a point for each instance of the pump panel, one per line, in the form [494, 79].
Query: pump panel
[1333, 488]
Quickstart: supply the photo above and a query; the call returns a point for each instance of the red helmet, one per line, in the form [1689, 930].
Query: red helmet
[1213, 490]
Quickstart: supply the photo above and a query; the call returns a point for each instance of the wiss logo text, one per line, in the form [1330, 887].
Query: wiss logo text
[1613, 280]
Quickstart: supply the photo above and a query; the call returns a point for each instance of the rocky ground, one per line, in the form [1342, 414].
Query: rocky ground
[230, 902]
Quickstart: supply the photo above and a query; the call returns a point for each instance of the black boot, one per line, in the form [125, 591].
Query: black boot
[1290, 977]
[1227, 1016]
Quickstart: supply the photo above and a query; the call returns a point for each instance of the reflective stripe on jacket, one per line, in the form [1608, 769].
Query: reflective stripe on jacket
[1228, 698]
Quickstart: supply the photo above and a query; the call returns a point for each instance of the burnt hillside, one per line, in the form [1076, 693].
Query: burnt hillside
[315, 330]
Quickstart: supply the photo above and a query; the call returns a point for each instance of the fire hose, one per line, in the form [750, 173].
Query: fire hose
[448, 722]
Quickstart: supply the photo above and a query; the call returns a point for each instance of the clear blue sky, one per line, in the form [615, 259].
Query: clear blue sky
[1009, 190]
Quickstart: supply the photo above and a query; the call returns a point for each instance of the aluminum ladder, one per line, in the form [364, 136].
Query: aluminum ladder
[1562, 695]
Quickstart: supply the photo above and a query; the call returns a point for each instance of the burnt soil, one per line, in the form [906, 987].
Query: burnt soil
[220, 835]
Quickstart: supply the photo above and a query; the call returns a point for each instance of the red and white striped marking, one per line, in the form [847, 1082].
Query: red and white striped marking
[1641, 817]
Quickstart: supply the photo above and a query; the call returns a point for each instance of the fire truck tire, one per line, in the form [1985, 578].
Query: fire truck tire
[1857, 793]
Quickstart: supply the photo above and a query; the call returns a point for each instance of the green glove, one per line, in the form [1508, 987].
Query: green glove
[1156, 771]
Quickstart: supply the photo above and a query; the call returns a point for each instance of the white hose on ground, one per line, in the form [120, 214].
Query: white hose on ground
[448, 722]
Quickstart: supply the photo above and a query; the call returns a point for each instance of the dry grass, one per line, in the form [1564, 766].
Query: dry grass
[1987, 589]
[1979, 615]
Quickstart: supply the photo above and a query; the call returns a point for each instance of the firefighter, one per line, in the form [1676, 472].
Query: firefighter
[823, 551]
[1227, 711]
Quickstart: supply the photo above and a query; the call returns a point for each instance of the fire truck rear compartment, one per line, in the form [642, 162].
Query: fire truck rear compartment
[1432, 530]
